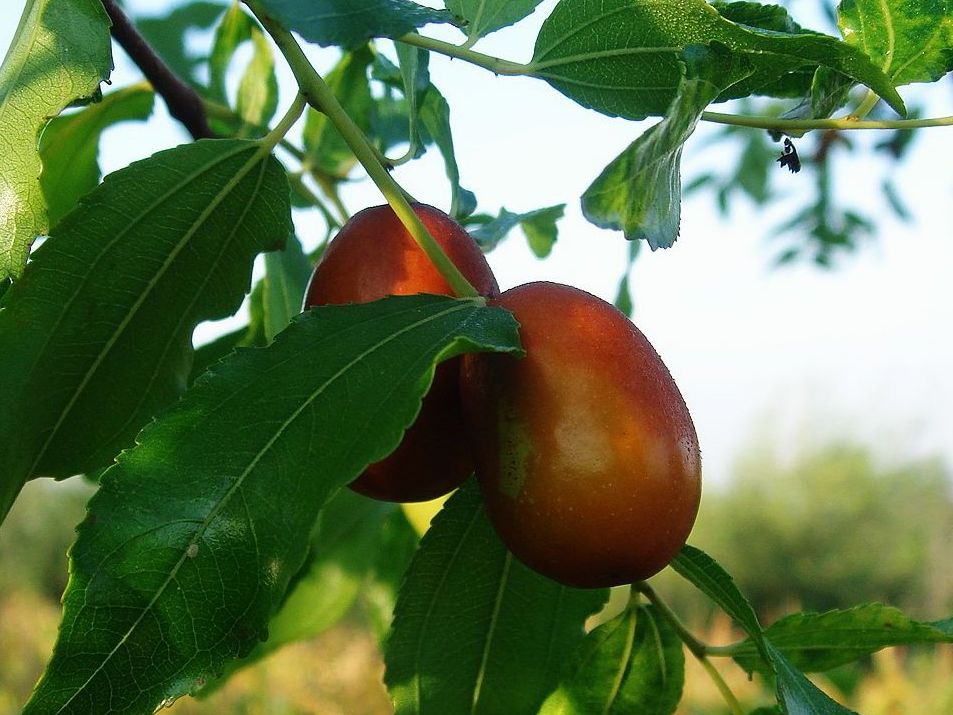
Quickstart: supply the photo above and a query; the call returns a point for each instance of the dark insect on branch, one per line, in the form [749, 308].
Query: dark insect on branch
[789, 157]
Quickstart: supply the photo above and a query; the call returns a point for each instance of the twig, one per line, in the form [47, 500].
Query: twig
[184, 102]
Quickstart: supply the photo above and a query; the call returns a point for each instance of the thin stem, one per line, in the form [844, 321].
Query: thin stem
[322, 98]
[697, 648]
[722, 686]
[867, 103]
[274, 137]
[184, 103]
[806, 124]
[215, 110]
[488, 62]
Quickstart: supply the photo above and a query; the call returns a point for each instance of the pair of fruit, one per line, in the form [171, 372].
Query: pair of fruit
[584, 450]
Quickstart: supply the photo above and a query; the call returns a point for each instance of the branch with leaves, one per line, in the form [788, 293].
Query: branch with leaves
[221, 505]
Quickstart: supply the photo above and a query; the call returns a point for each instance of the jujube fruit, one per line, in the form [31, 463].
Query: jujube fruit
[374, 256]
[585, 451]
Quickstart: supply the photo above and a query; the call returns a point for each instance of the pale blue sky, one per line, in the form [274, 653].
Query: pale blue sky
[795, 353]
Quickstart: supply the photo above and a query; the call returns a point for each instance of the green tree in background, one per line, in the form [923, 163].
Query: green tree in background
[832, 526]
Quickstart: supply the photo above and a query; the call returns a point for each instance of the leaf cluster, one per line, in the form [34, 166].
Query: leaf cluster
[220, 531]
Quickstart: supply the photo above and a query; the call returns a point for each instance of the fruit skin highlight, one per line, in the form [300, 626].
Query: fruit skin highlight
[374, 256]
[585, 451]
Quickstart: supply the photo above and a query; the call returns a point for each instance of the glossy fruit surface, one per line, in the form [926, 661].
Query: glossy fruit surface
[374, 256]
[585, 451]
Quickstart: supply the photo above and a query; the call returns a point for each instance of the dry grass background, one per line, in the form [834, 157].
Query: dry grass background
[340, 673]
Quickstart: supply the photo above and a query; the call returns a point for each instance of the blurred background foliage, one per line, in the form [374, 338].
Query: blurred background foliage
[813, 526]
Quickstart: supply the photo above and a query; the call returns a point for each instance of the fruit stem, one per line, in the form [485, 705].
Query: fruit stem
[322, 98]
[695, 646]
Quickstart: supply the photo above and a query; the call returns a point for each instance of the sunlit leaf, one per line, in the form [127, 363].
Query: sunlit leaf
[69, 146]
[60, 53]
[324, 145]
[486, 16]
[910, 40]
[112, 297]
[621, 57]
[257, 97]
[639, 192]
[234, 29]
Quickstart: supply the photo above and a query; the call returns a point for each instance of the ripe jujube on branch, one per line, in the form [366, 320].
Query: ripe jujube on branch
[374, 256]
[585, 451]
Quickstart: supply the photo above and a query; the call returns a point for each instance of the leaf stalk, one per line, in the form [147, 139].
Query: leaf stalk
[320, 96]
[695, 646]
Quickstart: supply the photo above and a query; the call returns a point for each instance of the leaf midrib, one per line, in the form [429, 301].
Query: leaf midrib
[186, 314]
[170, 259]
[491, 630]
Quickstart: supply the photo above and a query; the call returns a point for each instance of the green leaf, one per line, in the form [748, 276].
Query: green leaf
[59, 54]
[286, 278]
[910, 40]
[621, 57]
[435, 118]
[631, 664]
[167, 35]
[701, 570]
[213, 351]
[195, 534]
[539, 227]
[326, 148]
[69, 146]
[640, 191]
[234, 29]
[486, 16]
[112, 297]
[830, 91]
[763, 17]
[257, 97]
[343, 553]
[815, 642]
[795, 692]
[351, 23]
[474, 630]
[798, 695]
[415, 75]
[398, 544]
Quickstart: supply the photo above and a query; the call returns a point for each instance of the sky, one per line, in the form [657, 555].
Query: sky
[794, 355]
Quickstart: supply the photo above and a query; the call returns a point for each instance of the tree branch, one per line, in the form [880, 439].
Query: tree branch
[183, 102]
